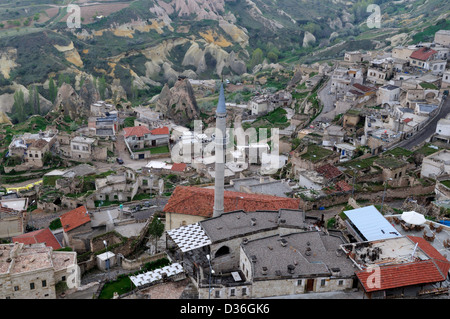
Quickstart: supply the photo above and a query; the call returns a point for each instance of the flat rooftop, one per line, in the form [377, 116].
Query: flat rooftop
[306, 253]
[239, 223]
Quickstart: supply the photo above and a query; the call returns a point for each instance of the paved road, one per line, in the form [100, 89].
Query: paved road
[328, 101]
[426, 133]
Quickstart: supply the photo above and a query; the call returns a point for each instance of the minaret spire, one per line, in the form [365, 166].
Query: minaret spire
[220, 141]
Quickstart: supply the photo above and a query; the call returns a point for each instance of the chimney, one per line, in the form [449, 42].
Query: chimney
[291, 269]
[253, 221]
[335, 271]
[283, 242]
[264, 270]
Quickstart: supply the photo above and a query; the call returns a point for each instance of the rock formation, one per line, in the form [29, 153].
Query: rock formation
[68, 102]
[178, 103]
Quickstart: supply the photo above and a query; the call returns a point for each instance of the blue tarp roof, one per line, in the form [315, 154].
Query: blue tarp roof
[371, 224]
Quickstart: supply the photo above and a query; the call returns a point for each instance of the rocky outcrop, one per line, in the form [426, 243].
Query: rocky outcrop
[178, 103]
[196, 56]
[69, 103]
[308, 39]
[88, 93]
[4, 119]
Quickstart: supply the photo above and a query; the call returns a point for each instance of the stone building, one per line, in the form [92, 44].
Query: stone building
[31, 272]
[139, 140]
[442, 37]
[312, 157]
[262, 254]
[13, 217]
[75, 223]
[353, 56]
[81, 147]
[436, 164]
[189, 205]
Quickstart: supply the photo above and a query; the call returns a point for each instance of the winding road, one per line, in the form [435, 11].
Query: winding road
[428, 130]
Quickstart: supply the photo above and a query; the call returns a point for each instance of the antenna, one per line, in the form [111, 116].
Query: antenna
[414, 251]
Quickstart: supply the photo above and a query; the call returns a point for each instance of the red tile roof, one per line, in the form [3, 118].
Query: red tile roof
[401, 275]
[178, 167]
[38, 237]
[75, 218]
[343, 186]
[363, 87]
[160, 131]
[432, 252]
[199, 201]
[407, 120]
[138, 131]
[329, 171]
[408, 274]
[422, 54]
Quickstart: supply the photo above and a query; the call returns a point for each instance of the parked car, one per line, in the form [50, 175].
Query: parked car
[119, 160]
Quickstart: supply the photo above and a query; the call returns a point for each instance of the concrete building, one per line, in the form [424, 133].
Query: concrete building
[140, 140]
[36, 151]
[442, 37]
[380, 71]
[445, 84]
[436, 164]
[422, 58]
[443, 130]
[343, 78]
[388, 94]
[31, 272]
[81, 147]
[354, 56]
[13, 217]
[259, 105]
[260, 185]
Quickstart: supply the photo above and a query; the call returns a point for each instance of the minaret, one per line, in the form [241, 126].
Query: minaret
[219, 182]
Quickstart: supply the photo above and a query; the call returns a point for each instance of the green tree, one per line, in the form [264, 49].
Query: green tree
[37, 102]
[19, 106]
[102, 87]
[272, 56]
[53, 91]
[156, 229]
[257, 57]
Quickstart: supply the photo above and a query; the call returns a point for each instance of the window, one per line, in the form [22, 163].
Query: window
[32, 285]
[217, 293]
[31, 155]
[322, 282]
[232, 292]
[299, 282]
[16, 288]
[44, 283]
[63, 278]
[340, 282]
[244, 291]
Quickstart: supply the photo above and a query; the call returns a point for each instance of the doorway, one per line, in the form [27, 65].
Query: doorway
[310, 285]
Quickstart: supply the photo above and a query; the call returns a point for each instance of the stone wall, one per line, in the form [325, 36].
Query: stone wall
[131, 264]
[373, 197]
